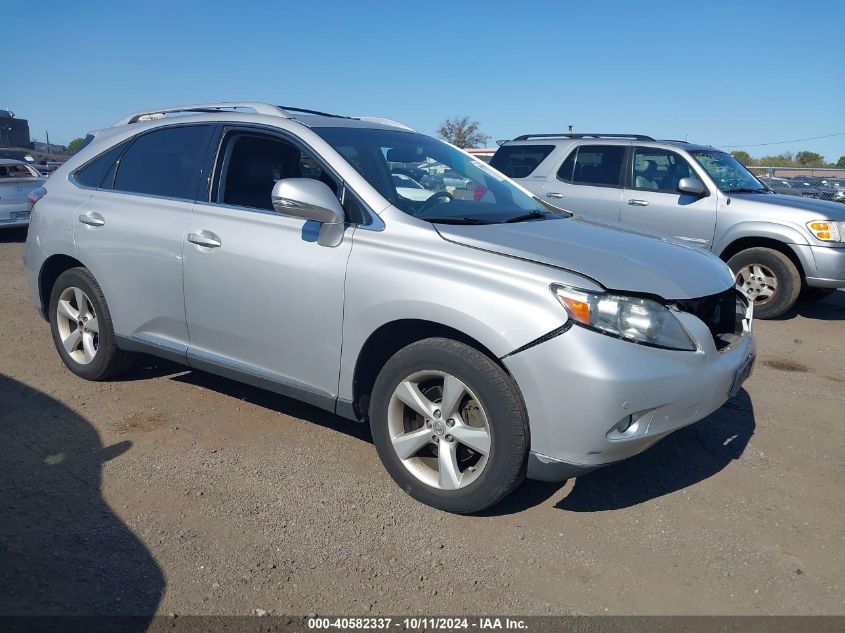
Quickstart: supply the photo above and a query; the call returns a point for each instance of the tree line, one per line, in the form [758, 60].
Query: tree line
[787, 159]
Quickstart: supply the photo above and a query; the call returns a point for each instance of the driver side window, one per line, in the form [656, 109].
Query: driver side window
[249, 165]
[658, 170]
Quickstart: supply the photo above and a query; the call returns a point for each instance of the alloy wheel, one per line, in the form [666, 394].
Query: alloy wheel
[439, 429]
[77, 324]
[758, 282]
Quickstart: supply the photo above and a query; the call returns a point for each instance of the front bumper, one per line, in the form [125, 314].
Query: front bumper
[580, 384]
[830, 267]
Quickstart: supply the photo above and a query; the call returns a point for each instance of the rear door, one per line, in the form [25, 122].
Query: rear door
[589, 181]
[130, 232]
[652, 200]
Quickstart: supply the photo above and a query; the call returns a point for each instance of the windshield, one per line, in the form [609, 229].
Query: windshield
[448, 186]
[727, 172]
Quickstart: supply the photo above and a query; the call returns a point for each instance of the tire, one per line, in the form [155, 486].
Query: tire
[815, 294]
[490, 403]
[773, 299]
[107, 360]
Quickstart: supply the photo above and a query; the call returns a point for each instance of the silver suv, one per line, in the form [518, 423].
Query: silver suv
[776, 245]
[483, 334]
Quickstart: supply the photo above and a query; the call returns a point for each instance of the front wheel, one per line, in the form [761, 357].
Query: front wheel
[449, 425]
[769, 278]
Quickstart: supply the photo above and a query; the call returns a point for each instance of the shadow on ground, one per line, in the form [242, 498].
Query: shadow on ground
[62, 549]
[8, 236]
[830, 308]
[682, 459]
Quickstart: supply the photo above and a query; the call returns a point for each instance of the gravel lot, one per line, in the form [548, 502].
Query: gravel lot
[174, 491]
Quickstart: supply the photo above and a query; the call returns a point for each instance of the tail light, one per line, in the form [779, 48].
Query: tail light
[35, 195]
[478, 193]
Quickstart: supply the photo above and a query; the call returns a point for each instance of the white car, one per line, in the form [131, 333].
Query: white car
[17, 180]
[409, 188]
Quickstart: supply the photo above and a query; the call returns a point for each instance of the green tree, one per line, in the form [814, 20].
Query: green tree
[75, 145]
[810, 159]
[780, 160]
[463, 133]
[841, 162]
[742, 157]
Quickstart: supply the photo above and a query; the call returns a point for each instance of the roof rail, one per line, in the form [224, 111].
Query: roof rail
[636, 137]
[258, 108]
[316, 112]
[383, 121]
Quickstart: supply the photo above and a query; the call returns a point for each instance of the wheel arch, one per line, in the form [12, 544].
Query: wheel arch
[744, 243]
[388, 339]
[50, 271]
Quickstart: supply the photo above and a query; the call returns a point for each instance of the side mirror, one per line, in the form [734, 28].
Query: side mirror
[310, 199]
[692, 186]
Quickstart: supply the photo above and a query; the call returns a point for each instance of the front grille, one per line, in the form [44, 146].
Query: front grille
[723, 314]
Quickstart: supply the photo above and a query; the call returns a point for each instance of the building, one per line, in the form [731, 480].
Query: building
[483, 153]
[14, 132]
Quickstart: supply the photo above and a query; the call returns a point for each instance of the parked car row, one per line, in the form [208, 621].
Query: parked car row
[483, 333]
[45, 167]
[17, 180]
[776, 245]
[807, 186]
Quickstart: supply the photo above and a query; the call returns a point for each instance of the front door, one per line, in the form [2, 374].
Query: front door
[652, 200]
[263, 299]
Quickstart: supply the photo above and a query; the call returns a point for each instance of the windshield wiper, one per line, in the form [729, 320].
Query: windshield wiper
[453, 220]
[531, 215]
[747, 190]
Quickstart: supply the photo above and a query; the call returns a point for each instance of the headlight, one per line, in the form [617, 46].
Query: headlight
[827, 230]
[629, 318]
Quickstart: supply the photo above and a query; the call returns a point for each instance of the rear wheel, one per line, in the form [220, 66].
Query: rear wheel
[449, 425]
[769, 278]
[82, 329]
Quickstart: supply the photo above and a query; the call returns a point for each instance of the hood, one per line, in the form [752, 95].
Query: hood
[618, 258]
[813, 207]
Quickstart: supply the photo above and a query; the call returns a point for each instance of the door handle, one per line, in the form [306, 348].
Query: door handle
[92, 219]
[638, 203]
[204, 238]
[554, 194]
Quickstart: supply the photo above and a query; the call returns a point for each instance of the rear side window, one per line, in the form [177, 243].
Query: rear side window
[597, 165]
[519, 161]
[93, 174]
[165, 162]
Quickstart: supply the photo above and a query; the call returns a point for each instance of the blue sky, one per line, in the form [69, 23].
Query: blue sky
[719, 72]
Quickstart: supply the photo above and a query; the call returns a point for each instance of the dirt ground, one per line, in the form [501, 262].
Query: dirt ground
[174, 491]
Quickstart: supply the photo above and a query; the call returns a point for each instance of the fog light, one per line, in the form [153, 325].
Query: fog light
[624, 423]
[631, 426]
